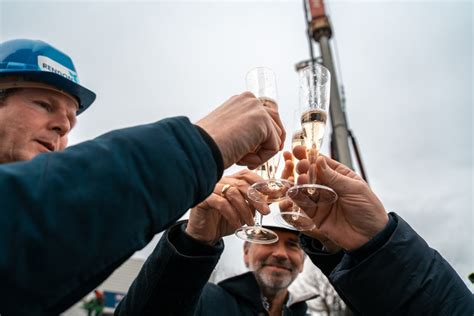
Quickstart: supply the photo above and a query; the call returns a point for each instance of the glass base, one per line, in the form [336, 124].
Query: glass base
[269, 191]
[308, 195]
[297, 220]
[256, 234]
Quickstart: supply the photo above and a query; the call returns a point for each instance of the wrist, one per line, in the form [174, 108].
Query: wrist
[215, 149]
[198, 236]
[375, 228]
[220, 143]
[327, 244]
[376, 242]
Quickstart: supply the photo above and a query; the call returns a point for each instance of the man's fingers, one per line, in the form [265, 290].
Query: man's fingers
[223, 206]
[276, 118]
[304, 201]
[335, 180]
[288, 170]
[241, 181]
[299, 152]
[285, 205]
[302, 166]
[271, 145]
[338, 167]
[238, 202]
[245, 178]
[321, 214]
[302, 179]
[253, 160]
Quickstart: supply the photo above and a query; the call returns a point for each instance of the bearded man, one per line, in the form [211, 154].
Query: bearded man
[179, 286]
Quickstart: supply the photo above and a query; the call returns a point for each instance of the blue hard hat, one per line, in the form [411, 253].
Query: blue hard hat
[38, 61]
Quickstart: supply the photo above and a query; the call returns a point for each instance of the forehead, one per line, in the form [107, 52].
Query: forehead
[283, 236]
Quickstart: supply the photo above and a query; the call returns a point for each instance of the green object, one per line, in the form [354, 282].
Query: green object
[95, 306]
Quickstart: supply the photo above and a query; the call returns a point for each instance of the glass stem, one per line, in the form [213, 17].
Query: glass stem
[312, 157]
[258, 219]
[269, 169]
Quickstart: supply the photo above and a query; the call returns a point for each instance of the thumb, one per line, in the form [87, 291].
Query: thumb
[330, 177]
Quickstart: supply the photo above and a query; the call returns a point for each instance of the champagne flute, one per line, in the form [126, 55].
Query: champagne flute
[290, 214]
[256, 233]
[261, 81]
[315, 83]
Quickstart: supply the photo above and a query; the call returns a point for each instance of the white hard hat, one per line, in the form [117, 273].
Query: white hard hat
[273, 221]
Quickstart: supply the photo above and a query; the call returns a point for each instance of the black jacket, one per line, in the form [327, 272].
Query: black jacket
[239, 296]
[396, 273]
[173, 281]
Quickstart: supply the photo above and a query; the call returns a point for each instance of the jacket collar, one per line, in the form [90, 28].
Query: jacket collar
[245, 286]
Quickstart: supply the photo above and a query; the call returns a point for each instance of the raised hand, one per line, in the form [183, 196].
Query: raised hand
[288, 206]
[226, 209]
[357, 215]
[246, 131]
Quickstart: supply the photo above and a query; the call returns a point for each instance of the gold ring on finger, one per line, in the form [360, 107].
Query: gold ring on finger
[224, 189]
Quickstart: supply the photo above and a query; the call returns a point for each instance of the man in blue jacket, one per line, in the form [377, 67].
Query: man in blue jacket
[69, 218]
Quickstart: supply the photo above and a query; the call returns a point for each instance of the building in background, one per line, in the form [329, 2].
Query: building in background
[113, 289]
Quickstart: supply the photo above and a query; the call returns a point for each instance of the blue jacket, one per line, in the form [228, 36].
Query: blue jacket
[68, 219]
[396, 273]
[173, 281]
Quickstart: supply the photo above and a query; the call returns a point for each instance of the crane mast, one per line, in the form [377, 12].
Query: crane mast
[321, 32]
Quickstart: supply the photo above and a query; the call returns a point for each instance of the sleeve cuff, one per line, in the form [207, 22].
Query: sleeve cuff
[375, 243]
[216, 153]
[324, 260]
[188, 246]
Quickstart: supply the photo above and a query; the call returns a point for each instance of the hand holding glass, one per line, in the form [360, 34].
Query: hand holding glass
[261, 82]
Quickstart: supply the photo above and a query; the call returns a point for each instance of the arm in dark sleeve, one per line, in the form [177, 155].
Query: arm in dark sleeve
[68, 219]
[324, 260]
[173, 277]
[399, 274]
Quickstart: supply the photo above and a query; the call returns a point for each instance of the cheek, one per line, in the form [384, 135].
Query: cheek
[13, 132]
[256, 260]
[298, 261]
[254, 264]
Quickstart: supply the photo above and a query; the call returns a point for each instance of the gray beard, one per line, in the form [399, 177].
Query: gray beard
[273, 283]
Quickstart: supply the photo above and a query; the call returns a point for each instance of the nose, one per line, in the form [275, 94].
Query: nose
[279, 251]
[59, 123]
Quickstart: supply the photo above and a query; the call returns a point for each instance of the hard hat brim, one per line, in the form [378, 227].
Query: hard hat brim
[289, 229]
[84, 96]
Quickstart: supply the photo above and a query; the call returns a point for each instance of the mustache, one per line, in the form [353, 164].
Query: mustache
[280, 263]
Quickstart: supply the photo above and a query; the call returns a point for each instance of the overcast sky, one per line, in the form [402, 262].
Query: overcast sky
[406, 67]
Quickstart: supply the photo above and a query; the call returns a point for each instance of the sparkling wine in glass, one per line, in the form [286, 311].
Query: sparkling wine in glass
[314, 101]
[290, 214]
[261, 81]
